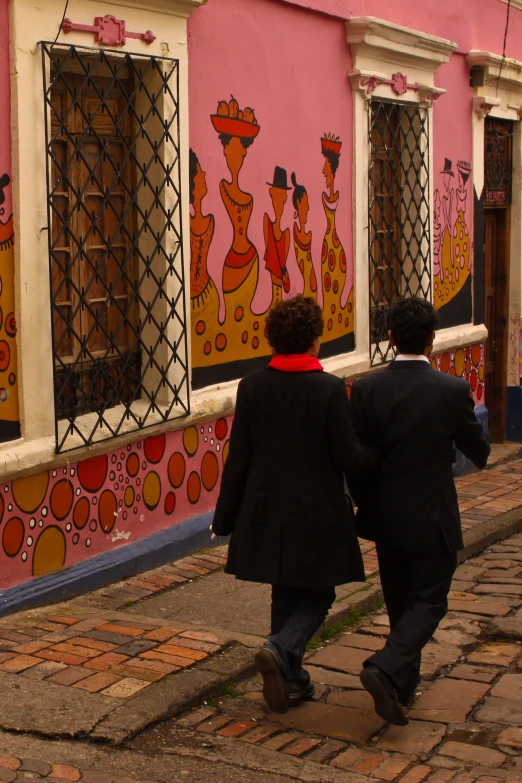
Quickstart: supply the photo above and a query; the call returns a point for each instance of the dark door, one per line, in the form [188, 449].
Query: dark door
[496, 266]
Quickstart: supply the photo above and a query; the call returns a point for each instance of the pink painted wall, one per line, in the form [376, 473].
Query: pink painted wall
[291, 67]
[472, 24]
[5, 105]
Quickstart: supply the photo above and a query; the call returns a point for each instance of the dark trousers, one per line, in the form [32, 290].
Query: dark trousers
[415, 588]
[297, 613]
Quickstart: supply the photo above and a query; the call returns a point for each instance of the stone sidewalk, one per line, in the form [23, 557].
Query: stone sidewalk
[108, 664]
[464, 725]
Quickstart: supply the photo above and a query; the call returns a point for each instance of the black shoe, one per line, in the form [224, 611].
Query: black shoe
[407, 701]
[297, 697]
[274, 686]
[384, 696]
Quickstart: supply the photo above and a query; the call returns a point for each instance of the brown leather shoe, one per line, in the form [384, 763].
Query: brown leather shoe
[380, 688]
[275, 691]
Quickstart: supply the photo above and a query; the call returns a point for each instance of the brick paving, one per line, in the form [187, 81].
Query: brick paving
[465, 722]
[110, 658]
[18, 770]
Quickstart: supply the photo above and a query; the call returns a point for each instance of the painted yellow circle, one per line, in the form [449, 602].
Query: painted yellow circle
[191, 440]
[226, 449]
[151, 490]
[29, 491]
[481, 372]
[49, 551]
[129, 496]
[459, 362]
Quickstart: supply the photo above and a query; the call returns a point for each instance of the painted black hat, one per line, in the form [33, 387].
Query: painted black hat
[280, 179]
[448, 167]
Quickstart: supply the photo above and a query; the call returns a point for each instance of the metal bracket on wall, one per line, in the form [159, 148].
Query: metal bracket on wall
[108, 30]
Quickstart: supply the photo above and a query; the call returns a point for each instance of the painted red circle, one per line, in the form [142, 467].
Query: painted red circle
[445, 361]
[61, 500]
[5, 356]
[200, 327]
[221, 429]
[133, 464]
[209, 470]
[13, 536]
[10, 325]
[193, 488]
[207, 348]
[154, 448]
[170, 503]
[81, 513]
[107, 509]
[176, 469]
[473, 380]
[93, 472]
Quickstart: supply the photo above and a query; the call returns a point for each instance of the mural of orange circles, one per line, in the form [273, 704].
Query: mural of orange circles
[481, 372]
[81, 513]
[226, 449]
[13, 536]
[93, 472]
[49, 551]
[193, 488]
[133, 464]
[152, 490]
[176, 469]
[154, 448]
[209, 470]
[107, 509]
[129, 496]
[190, 440]
[475, 355]
[61, 500]
[29, 492]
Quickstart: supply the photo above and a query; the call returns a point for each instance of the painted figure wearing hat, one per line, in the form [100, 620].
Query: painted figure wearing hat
[338, 318]
[455, 253]
[303, 239]
[277, 240]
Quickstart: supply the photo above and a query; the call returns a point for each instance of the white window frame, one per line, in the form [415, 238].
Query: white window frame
[29, 24]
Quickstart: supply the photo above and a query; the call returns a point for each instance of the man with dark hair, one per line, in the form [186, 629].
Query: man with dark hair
[414, 416]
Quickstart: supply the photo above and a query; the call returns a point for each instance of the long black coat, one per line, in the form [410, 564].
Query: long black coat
[413, 415]
[282, 491]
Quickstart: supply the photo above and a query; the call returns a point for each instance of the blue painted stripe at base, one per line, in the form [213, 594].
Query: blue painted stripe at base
[463, 464]
[514, 414]
[96, 572]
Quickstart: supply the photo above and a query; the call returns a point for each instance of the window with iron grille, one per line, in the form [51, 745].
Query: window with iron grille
[115, 242]
[399, 216]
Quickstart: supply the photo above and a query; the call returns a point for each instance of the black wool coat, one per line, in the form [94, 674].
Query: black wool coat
[414, 416]
[282, 492]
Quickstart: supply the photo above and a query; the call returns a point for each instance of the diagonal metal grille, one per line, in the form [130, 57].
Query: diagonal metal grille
[399, 215]
[115, 242]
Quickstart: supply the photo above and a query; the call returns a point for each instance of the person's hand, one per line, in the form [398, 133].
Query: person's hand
[213, 536]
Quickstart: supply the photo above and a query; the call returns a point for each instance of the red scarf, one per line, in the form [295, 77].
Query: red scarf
[296, 362]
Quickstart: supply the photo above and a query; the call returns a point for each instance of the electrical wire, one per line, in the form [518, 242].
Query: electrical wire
[63, 19]
[505, 44]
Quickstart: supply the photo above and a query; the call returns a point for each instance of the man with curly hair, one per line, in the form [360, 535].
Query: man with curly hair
[413, 415]
[282, 494]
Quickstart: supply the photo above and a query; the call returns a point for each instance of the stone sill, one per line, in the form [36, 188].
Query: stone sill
[19, 458]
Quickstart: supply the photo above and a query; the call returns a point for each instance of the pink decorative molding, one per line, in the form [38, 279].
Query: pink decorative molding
[108, 30]
[398, 82]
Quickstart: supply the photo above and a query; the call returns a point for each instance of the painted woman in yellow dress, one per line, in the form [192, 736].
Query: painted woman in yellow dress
[455, 256]
[303, 240]
[338, 319]
[240, 334]
[204, 297]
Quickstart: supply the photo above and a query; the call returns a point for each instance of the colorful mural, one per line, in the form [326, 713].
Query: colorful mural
[234, 332]
[9, 409]
[467, 363]
[59, 517]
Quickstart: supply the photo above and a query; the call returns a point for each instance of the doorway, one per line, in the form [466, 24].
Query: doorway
[496, 269]
[498, 145]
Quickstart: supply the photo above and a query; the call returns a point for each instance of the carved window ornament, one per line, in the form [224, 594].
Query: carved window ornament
[108, 30]
[386, 54]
